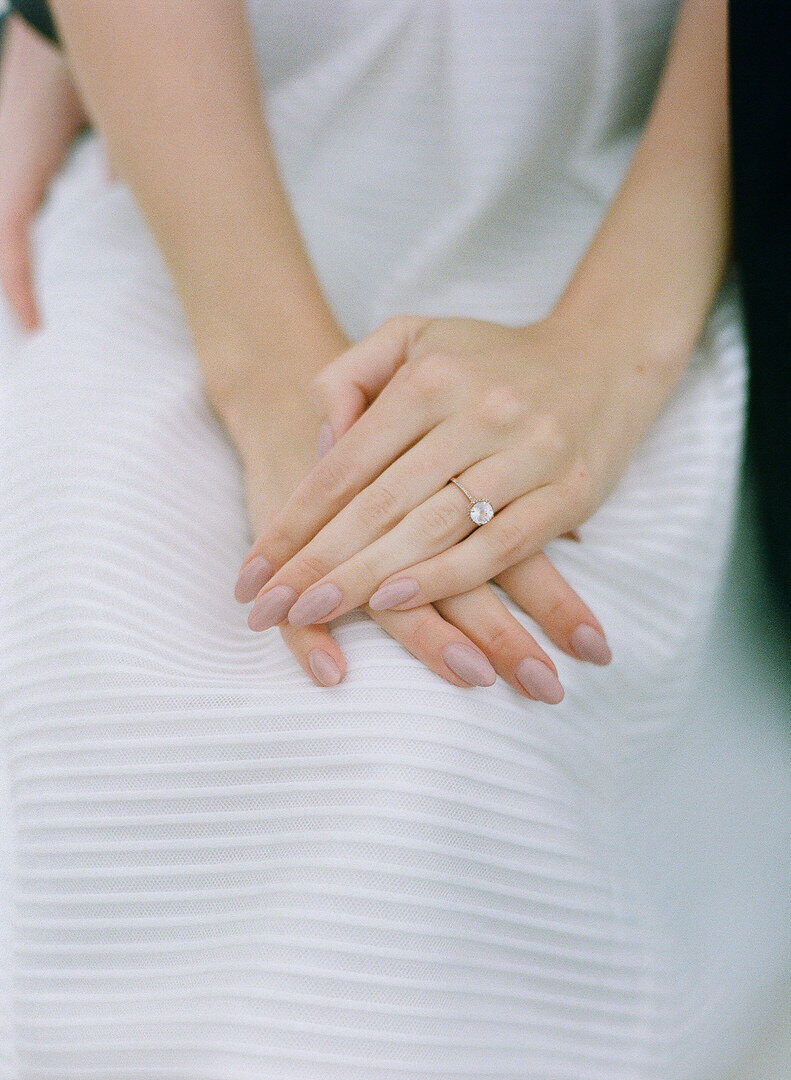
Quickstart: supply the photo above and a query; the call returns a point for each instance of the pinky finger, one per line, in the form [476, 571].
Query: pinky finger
[17, 277]
[543, 593]
[316, 651]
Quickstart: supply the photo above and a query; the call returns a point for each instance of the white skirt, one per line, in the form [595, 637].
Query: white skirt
[217, 870]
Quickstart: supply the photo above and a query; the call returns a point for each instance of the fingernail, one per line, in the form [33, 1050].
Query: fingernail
[270, 609]
[324, 667]
[252, 579]
[469, 664]
[539, 681]
[326, 438]
[315, 604]
[393, 593]
[589, 644]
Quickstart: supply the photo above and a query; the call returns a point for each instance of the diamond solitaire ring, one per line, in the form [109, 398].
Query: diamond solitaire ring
[480, 510]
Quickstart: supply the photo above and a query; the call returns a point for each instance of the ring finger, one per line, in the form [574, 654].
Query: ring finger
[516, 655]
[432, 528]
[433, 640]
[409, 481]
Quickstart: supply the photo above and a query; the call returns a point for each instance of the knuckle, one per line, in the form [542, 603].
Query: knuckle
[430, 378]
[509, 539]
[282, 538]
[362, 574]
[560, 613]
[500, 409]
[502, 639]
[333, 479]
[421, 629]
[439, 523]
[379, 505]
[314, 564]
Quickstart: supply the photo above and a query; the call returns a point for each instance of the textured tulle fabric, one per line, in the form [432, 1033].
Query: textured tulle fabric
[215, 870]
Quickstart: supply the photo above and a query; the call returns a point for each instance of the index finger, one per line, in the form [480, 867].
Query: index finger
[389, 427]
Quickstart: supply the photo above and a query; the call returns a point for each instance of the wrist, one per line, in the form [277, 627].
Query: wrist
[624, 337]
[257, 383]
[610, 370]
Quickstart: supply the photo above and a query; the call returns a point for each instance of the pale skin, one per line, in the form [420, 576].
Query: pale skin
[264, 335]
[259, 380]
[540, 419]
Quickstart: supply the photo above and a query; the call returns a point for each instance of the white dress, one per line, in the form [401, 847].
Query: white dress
[216, 870]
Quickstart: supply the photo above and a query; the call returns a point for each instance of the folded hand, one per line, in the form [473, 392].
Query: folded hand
[524, 419]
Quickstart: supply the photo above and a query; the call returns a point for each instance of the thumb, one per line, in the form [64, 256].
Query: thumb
[343, 390]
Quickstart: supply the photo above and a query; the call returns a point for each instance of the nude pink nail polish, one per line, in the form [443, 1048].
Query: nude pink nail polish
[393, 593]
[469, 664]
[590, 645]
[315, 604]
[270, 609]
[252, 578]
[324, 667]
[539, 681]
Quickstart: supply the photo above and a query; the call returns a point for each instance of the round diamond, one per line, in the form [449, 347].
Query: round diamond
[481, 512]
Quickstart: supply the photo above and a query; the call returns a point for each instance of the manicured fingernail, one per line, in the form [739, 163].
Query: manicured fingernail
[270, 609]
[469, 664]
[324, 667]
[315, 604]
[252, 579]
[326, 438]
[589, 644]
[393, 593]
[539, 681]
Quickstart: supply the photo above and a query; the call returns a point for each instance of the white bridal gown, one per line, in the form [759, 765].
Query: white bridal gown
[216, 870]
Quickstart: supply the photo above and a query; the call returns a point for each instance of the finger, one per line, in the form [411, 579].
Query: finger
[514, 653]
[406, 410]
[438, 644]
[317, 653]
[377, 509]
[434, 527]
[545, 595]
[344, 388]
[339, 402]
[519, 530]
[16, 274]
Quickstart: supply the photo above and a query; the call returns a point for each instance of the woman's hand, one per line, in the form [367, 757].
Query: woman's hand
[40, 114]
[540, 421]
[467, 640]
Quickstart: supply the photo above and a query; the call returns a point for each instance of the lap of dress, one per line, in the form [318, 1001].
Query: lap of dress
[221, 871]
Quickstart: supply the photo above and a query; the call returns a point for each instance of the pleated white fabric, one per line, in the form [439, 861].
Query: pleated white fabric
[216, 870]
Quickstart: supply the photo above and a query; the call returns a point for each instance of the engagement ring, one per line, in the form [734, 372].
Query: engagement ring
[480, 510]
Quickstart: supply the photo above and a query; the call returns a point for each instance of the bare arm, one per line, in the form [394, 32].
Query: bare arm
[172, 87]
[571, 395]
[648, 280]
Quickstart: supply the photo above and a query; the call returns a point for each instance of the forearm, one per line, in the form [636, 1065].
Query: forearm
[648, 279]
[172, 88]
